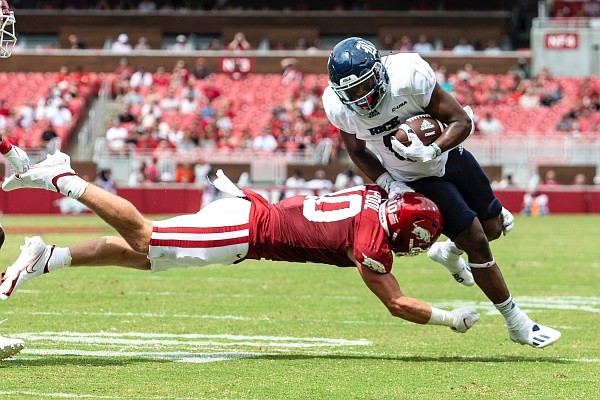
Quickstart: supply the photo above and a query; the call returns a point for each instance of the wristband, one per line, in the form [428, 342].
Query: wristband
[437, 149]
[440, 317]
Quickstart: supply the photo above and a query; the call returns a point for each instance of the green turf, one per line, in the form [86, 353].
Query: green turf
[302, 331]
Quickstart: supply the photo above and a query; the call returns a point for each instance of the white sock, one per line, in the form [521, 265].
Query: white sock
[511, 312]
[72, 186]
[61, 257]
[452, 248]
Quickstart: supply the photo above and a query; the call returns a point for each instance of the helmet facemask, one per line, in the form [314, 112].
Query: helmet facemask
[8, 38]
[363, 94]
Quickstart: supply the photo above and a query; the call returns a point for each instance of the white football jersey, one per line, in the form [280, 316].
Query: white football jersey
[411, 84]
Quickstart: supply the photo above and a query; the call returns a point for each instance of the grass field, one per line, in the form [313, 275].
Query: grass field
[263, 330]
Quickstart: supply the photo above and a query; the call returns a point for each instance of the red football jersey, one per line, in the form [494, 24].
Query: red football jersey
[321, 229]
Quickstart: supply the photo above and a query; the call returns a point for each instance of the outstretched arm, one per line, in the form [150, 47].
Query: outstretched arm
[387, 289]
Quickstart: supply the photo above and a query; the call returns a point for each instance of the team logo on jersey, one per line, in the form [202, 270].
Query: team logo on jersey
[392, 124]
[399, 106]
[373, 264]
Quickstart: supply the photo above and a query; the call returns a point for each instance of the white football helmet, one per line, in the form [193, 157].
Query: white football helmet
[8, 38]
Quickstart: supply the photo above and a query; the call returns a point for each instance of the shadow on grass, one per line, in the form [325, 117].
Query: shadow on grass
[91, 361]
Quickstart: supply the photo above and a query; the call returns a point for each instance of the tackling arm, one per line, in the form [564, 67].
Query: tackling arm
[387, 289]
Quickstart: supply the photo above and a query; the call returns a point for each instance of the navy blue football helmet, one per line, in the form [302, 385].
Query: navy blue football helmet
[357, 75]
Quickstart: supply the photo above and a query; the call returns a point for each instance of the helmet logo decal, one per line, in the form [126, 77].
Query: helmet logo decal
[367, 47]
[421, 233]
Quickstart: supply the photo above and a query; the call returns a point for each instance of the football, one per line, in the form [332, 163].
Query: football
[427, 128]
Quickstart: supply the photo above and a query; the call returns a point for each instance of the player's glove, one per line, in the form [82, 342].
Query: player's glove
[397, 188]
[417, 151]
[508, 221]
[464, 318]
[394, 188]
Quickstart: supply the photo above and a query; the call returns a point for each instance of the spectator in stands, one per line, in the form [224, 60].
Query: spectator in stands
[347, 179]
[50, 141]
[184, 173]
[146, 6]
[264, 142]
[170, 101]
[579, 180]
[133, 97]
[188, 104]
[490, 125]
[161, 78]
[214, 44]
[320, 184]
[181, 44]
[290, 71]
[239, 42]
[61, 115]
[116, 139]
[103, 5]
[141, 78]
[423, 45]
[521, 69]
[200, 70]
[463, 47]
[550, 178]
[122, 45]
[492, 48]
[552, 93]
[104, 180]
[387, 43]
[403, 44]
[180, 73]
[75, 43]
[122, 74]
[142, 44]
[294, 183]
[591, 8]
[125, 114]
[530, 98]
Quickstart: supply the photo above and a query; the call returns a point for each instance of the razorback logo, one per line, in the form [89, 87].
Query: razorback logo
[421, 233]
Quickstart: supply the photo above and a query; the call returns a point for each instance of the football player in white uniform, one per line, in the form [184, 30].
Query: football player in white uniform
[368, 98]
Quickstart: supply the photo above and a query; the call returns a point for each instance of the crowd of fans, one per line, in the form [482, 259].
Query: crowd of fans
[40, 110]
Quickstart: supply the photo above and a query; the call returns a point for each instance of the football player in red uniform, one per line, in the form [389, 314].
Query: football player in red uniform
[356, 227]
[17, 158]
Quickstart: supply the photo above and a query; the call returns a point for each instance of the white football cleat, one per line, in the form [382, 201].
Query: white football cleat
[33, 261]
[535, 335]
[18, 159]
[9, 347]
[454, 263]
[43, 175]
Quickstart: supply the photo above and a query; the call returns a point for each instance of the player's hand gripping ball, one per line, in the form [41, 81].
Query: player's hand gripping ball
[427, 128]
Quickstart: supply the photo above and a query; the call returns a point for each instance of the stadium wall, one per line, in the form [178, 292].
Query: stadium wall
[181, 199]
